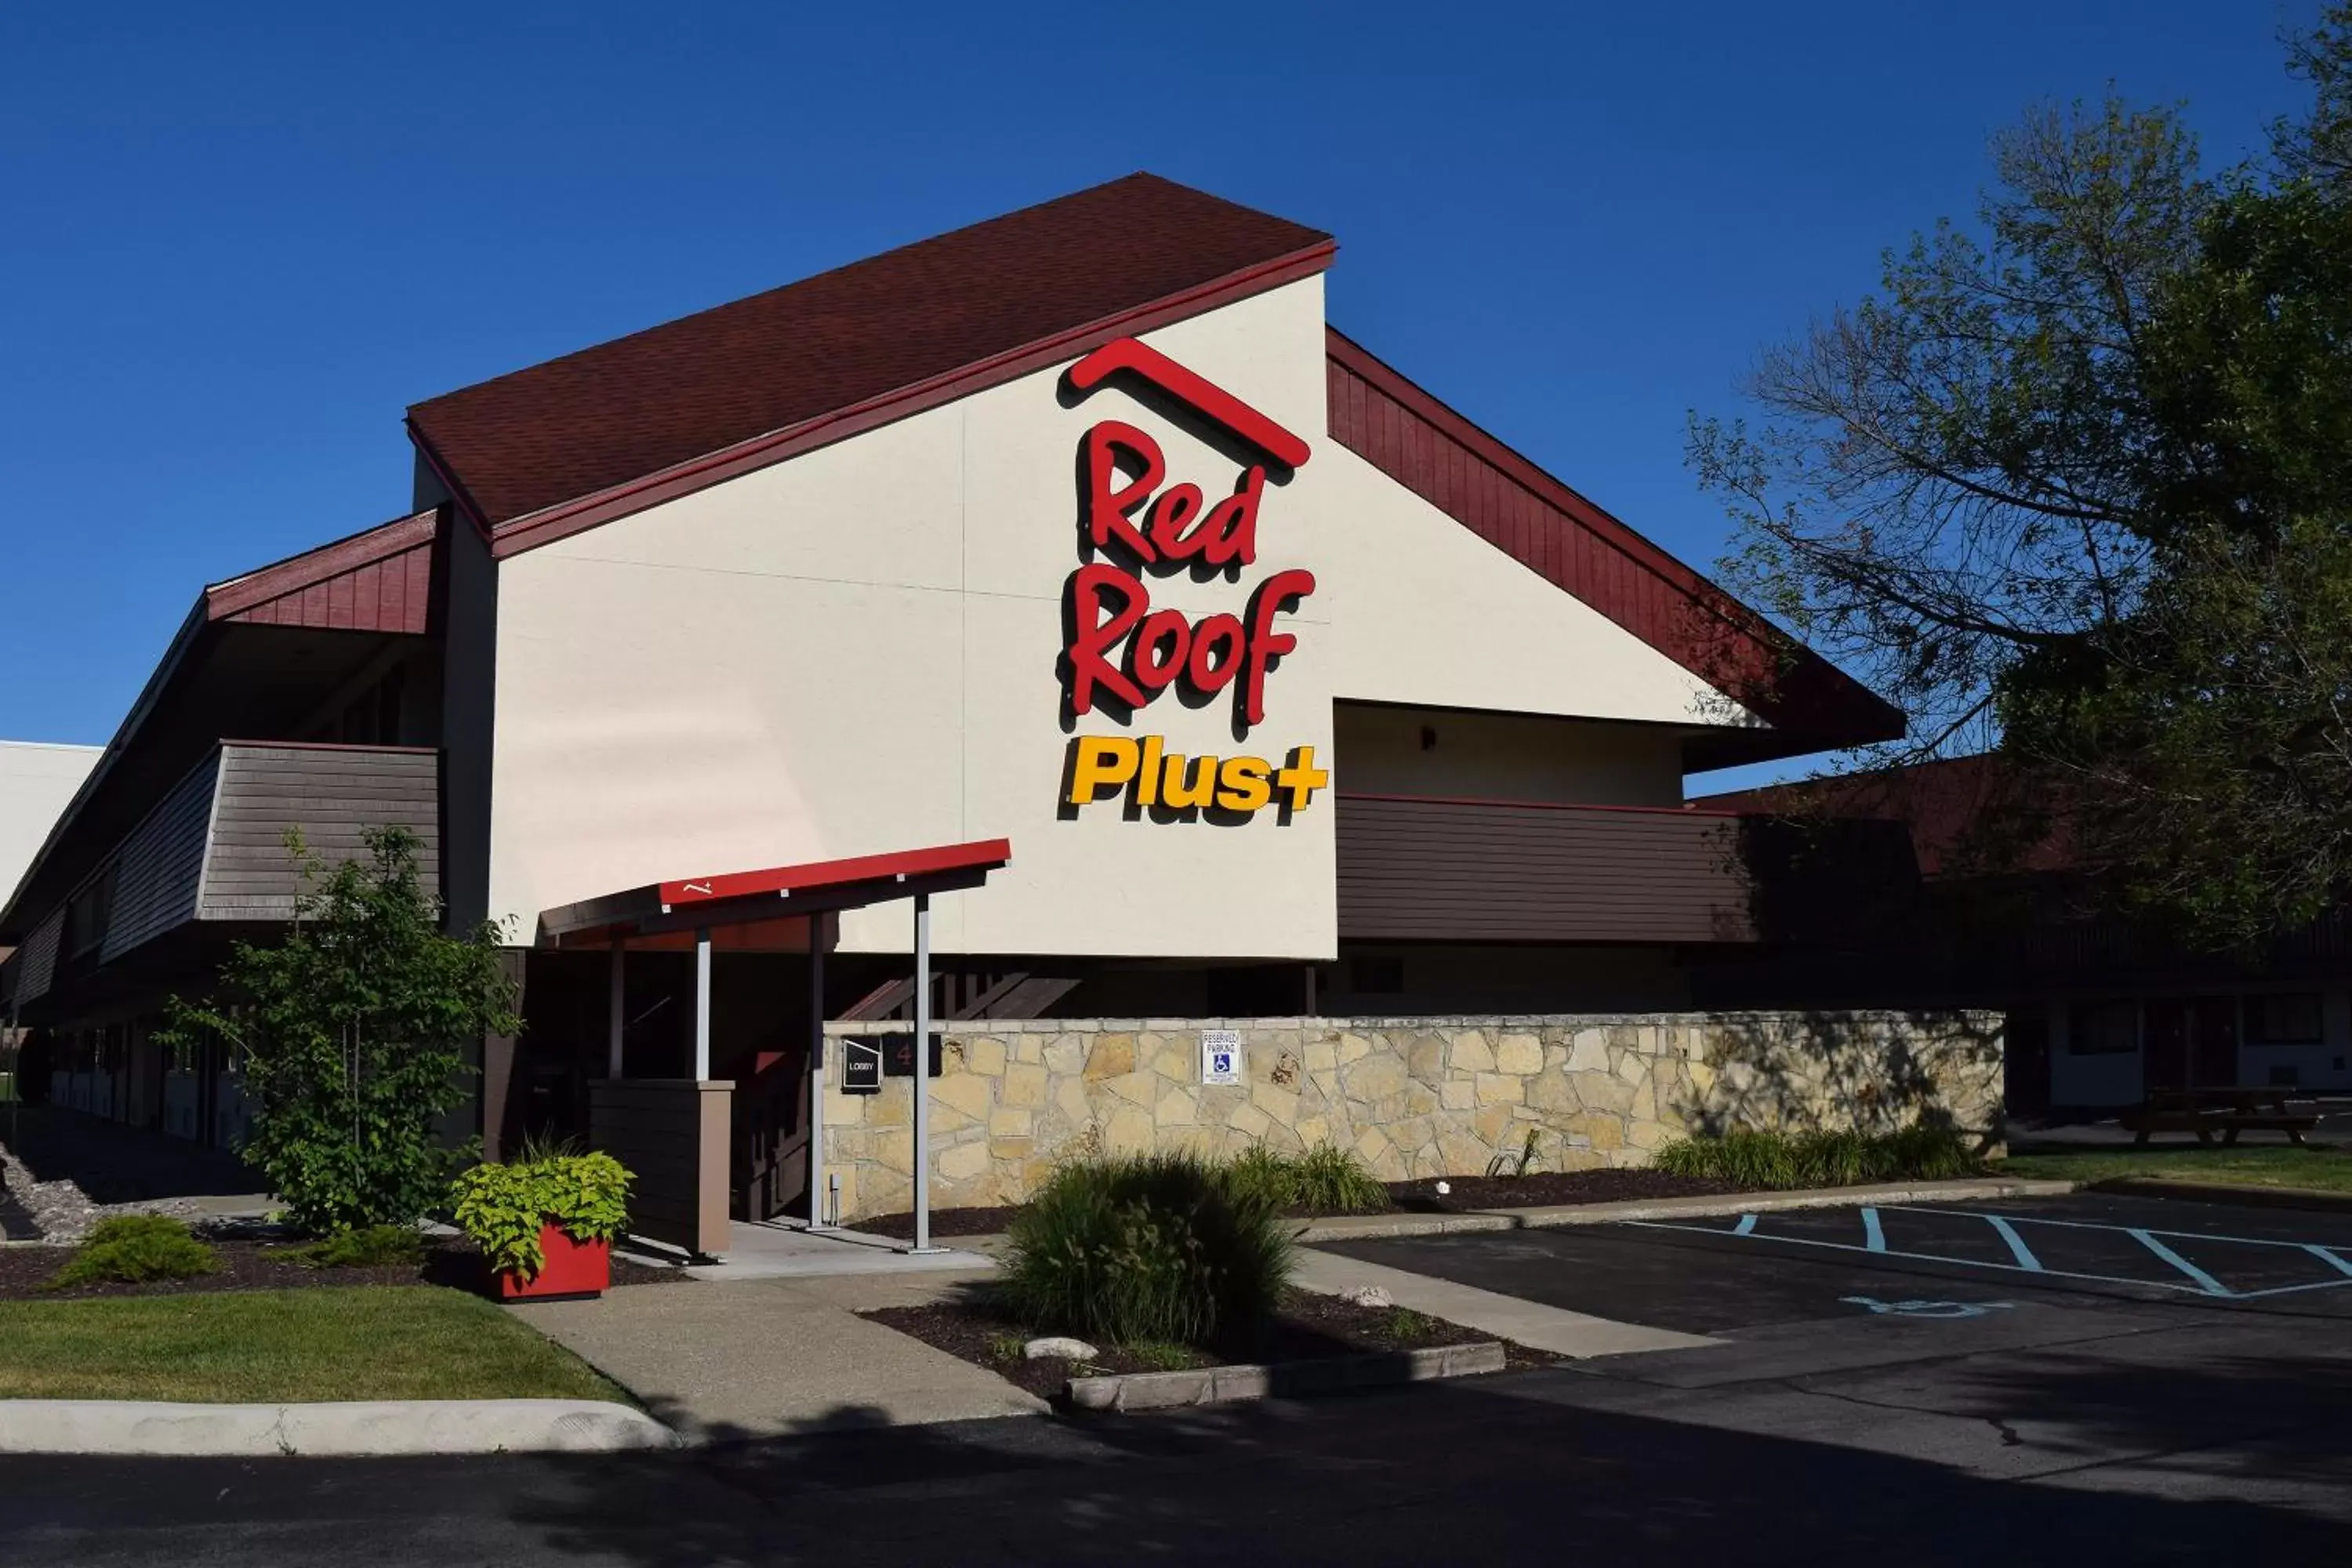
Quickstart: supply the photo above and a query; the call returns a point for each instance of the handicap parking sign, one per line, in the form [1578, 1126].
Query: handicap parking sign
[1221, 1057]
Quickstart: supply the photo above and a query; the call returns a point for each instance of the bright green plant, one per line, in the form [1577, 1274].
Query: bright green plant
[129, 1250]
[1128, 1249]
[503, 1207]
[370, 1247]
[1518, 1164]
[1404, 1324]
[351, 1031]
[1746, 1159]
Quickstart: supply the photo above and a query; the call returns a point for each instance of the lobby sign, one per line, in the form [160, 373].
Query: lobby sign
[1121, 655]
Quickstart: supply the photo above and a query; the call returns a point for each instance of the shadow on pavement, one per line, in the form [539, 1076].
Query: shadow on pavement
[117, 1164]
[1466, 1470]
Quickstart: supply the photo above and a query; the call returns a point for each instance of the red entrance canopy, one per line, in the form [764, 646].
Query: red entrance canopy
[778, 892]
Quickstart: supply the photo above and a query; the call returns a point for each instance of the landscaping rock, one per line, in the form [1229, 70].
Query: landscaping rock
[1369, 1296]
[1056, 1347]
[62, 1212]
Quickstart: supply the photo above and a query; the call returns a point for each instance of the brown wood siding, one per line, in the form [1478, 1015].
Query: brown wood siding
[334, 795]
[160, 865]
[672, 1134]
[38, 961]
[1475, 872]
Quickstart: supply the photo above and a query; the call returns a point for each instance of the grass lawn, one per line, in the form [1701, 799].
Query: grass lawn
[372, 1342]
[2267, 1165]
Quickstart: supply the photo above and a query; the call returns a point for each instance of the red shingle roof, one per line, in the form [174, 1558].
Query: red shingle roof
[640, 405]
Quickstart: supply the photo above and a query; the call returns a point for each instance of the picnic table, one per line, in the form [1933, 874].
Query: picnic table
[2226, 1111]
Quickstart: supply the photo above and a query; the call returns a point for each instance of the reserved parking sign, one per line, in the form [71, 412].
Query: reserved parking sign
[1221, 1056]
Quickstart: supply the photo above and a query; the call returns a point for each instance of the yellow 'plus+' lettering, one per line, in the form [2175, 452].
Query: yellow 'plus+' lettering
[1300, 778]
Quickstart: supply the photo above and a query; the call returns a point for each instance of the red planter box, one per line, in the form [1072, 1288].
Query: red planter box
[571, 1268]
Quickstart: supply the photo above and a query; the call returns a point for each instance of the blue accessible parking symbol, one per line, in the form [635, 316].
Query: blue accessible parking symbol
[1221, 1057]
[1926, 1309]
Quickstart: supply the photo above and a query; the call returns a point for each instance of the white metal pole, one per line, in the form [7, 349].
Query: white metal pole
[702, 1005]
[818, 1218]
[922, 1072]
[619, 995]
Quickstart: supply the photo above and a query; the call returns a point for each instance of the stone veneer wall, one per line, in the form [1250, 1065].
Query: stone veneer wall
[1415, 1097]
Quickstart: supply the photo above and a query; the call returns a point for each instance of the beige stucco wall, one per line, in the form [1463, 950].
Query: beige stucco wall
[1413, 1097]
[37, 780]
[855, 651]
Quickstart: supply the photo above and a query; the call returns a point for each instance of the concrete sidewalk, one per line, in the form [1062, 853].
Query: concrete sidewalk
[784, 1249]
[1531, 1323]
[769, 1357]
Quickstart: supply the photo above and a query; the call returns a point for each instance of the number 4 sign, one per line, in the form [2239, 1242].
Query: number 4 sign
[1221, 1057]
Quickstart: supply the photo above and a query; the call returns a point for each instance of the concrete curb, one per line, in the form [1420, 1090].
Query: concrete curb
[374, 1428]
[1214, 1384]
[2225, 1193]
[1366, 1228]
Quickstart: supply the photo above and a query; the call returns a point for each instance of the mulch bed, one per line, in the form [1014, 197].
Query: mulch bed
[1538, 1189]
[1541, 1189]
[266, 1266]
[1306, 1326]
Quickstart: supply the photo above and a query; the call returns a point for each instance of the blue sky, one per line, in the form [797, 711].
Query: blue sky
[241, 239]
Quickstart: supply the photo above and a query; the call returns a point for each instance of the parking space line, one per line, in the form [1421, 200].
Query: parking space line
[2147, 1239]
[2017, 1248]
[2094, 1224]
[1923, 1256]
[2328, 1256]
[2196, 1281]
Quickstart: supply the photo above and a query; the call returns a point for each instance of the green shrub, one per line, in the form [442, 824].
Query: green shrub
[1327, 1179]
[351, 1030]
[1916, 1153]
[1129, 1249]
[129, 1250]
[502, 1207]
[1262, 1174]
[369, 1246]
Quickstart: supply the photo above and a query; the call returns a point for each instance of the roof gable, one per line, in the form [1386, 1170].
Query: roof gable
[941, 317]
[1516, 507]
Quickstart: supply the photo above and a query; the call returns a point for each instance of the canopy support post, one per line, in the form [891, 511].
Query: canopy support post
[616, 1009]
[703, 1003]
[923, 1074]
[818, 1218]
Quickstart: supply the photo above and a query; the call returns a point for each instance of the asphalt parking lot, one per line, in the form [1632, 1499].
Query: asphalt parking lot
[1931, 1400]
[1737, 1275]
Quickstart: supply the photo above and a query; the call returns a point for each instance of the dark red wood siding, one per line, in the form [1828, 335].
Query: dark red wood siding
[1445, 870]
[380, 581]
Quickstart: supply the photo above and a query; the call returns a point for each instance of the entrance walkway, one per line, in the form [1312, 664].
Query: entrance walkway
[782, 1249]
[770, 1356]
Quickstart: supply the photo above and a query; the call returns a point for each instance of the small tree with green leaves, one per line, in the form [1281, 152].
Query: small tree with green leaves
[353, 1031]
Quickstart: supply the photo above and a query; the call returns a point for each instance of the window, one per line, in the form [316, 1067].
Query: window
[2103, 1028]
[2290, 1018]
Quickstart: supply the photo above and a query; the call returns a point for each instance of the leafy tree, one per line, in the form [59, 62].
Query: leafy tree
[353, 1031]
[2081, 488]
